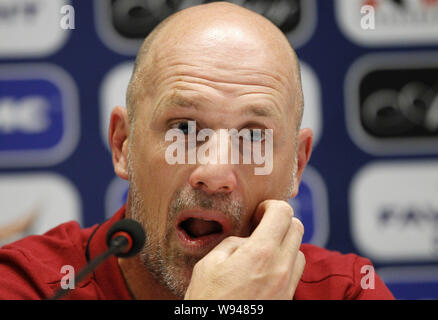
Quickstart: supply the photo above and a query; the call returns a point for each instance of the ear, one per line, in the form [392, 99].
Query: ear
[305, 139]
[119, 140]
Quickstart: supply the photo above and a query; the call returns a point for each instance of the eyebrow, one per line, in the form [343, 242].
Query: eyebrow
[259, 110]
[174, 101]
[177, 100]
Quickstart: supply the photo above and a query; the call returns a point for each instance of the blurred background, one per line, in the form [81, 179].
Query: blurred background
[370, 79]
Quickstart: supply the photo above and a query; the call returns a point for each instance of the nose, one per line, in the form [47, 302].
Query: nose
[216, 176]
[213, 178]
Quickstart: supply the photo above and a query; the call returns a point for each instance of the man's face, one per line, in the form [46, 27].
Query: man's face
[187, 209]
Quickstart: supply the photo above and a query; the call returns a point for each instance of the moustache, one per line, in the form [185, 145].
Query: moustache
[189, 198]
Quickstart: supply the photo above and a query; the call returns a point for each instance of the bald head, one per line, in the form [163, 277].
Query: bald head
[225, 30]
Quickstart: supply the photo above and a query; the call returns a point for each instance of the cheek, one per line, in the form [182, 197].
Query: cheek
[153, 179]
[284, 171]
[157, 227]
[275, 184]
[149, 157]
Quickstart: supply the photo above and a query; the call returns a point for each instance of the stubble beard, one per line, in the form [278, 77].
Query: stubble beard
[160, 255]
[155, 255]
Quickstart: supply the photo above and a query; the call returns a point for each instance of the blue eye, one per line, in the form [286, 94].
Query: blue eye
[256, 135]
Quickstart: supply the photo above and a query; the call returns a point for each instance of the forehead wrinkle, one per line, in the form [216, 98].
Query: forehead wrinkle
[184, 76]
[175, 100]
[211, 73]
[214, 15]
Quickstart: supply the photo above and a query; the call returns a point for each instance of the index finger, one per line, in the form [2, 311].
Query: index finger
[274, 218]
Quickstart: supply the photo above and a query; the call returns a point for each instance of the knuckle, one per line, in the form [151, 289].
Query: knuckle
[278, 207]
[277, 203]
[301, 257]
[282, 276]
[298, 225]
[283, 205]
[283, 273]
[284, 208]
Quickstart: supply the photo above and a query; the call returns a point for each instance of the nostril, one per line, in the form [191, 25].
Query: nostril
[213, 179]
[210, 188]
[224, 189]
[200, 185]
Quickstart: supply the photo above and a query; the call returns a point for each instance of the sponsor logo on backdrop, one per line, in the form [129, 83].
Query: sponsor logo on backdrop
[115, 83]
[31, 28]
[122, 25]
[310, 205]
[394, 211]
[35, 203]
[39, 121]
[391, 103]
[411, 283]
[395, 22]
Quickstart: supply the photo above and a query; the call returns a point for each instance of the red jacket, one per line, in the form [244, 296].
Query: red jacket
[31, 268]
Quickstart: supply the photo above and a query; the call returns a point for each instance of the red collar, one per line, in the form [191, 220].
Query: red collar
[108, 274]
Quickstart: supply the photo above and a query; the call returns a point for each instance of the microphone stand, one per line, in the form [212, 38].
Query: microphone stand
[117, 246]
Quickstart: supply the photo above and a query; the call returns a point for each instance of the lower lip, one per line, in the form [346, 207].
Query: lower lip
[200, 243]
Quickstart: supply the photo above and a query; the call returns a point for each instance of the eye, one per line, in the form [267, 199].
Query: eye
[254, 135]
[257, 135]
[185, 126]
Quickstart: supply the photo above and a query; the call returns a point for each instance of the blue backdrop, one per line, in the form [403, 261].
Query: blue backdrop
[399, 233]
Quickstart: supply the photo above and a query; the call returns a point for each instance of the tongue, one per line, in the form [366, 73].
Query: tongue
[198, 227]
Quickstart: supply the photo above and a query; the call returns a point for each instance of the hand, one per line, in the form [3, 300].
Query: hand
[266, 265]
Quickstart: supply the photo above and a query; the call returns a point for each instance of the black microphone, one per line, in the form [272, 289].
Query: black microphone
[125, 239]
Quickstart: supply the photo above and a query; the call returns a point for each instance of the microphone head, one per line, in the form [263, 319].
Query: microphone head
[132, 229]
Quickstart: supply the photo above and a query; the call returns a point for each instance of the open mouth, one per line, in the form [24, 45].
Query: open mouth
[196, 227]
[201, 229]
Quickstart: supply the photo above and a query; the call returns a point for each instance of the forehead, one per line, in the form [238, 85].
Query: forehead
[226, 43]
[225, 55]
[202, 84]
[227, 60]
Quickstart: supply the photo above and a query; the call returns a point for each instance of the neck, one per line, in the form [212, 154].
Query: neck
[141, 283]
